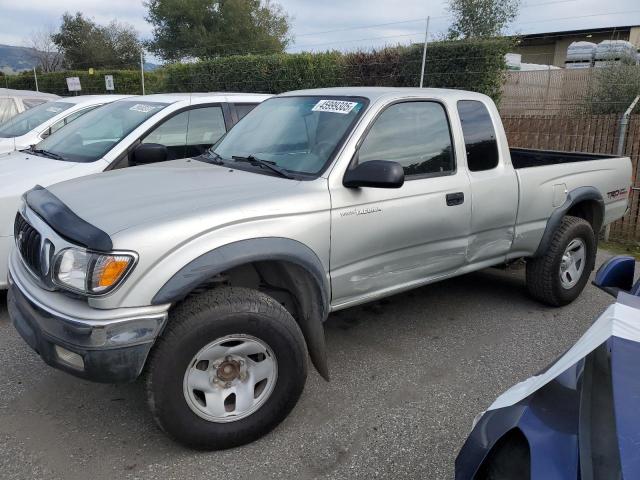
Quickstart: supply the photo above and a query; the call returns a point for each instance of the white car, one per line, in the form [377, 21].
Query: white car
[34, 125]
[108, 137]
[13, 102]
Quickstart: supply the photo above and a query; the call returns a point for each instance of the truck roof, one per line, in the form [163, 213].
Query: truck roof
[375, 93]
[204, 97]
[92, 99]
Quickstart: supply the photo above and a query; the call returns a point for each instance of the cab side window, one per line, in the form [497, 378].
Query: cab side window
[189, 133]
[243, 108]
[414, 134]
[479, 136]
[65, 121]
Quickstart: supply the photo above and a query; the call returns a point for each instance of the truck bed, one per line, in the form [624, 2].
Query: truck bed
[545, 178]
[528, 157]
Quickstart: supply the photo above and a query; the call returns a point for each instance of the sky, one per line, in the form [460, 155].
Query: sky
[310, 18]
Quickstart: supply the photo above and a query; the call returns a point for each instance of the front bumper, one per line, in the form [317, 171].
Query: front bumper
[6, 244]
[112, 351]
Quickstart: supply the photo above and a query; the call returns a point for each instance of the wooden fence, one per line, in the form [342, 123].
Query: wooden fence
[585, 133]
[546, 92]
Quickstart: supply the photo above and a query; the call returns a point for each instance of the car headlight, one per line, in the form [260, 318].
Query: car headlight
[90, 272]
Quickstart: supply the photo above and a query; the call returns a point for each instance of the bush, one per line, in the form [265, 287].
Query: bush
[472, 65]
[476, 65]
[614, 88]
[274, 73]
[125, 82]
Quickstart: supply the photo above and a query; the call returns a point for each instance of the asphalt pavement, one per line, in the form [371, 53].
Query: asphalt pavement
[409, 374]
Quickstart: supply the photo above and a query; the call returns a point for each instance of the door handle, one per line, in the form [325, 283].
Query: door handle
[455, 199]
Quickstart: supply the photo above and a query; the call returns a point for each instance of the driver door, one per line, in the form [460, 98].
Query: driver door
[384, 240]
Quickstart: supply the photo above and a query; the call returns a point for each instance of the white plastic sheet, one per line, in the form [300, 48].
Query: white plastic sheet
[619, 320]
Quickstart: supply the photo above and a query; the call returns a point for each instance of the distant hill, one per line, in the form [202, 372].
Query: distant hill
[17, 59]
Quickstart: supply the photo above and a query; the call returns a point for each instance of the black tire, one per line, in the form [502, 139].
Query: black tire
[202, 319]
[543, 273]
[509, 459]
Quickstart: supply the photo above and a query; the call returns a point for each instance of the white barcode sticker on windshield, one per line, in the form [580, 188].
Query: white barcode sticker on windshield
[141, 107]
[334, 106]
[54, 109]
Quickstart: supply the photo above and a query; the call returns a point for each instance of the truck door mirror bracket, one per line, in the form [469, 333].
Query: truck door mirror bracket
[375, 174]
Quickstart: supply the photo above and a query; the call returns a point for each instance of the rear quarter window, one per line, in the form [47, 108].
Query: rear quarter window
[479, 135]
[243, 108]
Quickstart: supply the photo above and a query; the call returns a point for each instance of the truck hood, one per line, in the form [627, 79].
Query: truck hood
[120, 199]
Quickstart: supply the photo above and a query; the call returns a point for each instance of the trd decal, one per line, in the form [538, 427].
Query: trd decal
[621, 192]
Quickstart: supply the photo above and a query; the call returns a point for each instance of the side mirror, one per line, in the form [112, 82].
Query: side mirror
[616, 275]
[146, 153]
[376, 174]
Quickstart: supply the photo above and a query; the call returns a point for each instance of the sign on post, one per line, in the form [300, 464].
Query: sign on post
[73, 84]
[108, 82]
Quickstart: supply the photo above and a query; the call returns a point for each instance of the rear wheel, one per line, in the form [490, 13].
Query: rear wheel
[230, 366]
[561, 273]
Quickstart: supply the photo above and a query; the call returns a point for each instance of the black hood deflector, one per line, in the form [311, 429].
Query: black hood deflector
[65, 222]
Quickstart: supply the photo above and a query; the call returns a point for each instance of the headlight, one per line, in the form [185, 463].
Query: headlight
[90, 272]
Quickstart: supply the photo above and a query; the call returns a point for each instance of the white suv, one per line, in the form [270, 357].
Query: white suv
[37, 123]
[110, 137]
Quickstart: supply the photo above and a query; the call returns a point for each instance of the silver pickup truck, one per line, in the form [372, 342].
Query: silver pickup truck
[215, 274]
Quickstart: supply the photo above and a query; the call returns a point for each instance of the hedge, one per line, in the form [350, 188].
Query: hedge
[476, 65]
[471, 65]
[125, 81]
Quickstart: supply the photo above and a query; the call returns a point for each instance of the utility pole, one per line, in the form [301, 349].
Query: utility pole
[424, 53]
[35, 75]
[142, 69]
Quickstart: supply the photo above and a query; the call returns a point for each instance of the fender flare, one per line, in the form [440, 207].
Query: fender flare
[574, 197]
[242, 252]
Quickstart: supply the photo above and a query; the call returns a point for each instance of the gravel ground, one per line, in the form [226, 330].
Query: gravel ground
[408, 376]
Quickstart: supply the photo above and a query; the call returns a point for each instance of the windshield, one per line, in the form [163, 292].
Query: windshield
[95, 133]
[29, 119]
[298, 134]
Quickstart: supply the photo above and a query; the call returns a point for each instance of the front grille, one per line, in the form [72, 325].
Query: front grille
[28, 241]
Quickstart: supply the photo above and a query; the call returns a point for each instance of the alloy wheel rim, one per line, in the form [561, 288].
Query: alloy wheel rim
[230, 378]
[572, 263]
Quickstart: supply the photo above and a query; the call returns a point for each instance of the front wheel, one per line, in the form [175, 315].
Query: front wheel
[559, 275]
[230, 366]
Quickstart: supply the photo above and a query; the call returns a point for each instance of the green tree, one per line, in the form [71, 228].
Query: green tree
[84, 44]
[613, 88]
[481, 18]
[204, 29]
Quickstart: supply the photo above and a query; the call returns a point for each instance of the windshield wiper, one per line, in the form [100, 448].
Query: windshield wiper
[263, 163]
[46, 153]
[212, 157]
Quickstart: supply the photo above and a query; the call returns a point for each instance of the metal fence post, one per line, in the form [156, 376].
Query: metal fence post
[35, 76]
[424, 53]
[142, 69]
[622, 134]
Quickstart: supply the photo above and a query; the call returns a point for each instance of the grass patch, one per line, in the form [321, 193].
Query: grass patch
[621, 248]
